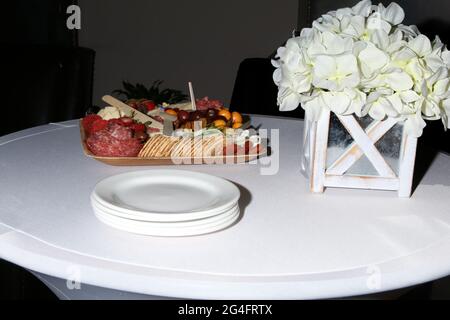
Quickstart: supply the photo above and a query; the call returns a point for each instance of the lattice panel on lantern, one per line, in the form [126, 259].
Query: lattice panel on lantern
[352, 152]
[388, 145]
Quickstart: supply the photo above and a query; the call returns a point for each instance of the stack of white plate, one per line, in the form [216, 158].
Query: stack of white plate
[166, 202]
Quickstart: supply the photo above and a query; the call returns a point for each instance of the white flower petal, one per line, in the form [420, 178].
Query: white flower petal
[446, 106]
[380, 38]
[338, 102]
[441, 87]
[399, 81]
[395, 107]
[301, 83]
[409, 96]
[440, 74]
[446, 57]
[434, 62]
[313, 109]
[430, 109]
[358, 100]
[421, 45]
[324, 67]
[275, 62]
[377, 112]
[393, 13]
[346, 64]
[362, 8]
[289, 100]
[277, 76]
[409, 31]
[376, 22]
[356, 26]
[414, 125]
[372, 59]
[405, 54]
[342, 13]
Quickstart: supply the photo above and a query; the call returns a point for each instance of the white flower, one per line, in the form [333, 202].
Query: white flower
[335, 72]
[379, 105]
[435, 89]
[421, 45]
[414, 124]
[288, 99]
[363, 60]
[330, 44]
[410, 32]
[372, 60]
[393, 13]
[362, 8]
[446, 113]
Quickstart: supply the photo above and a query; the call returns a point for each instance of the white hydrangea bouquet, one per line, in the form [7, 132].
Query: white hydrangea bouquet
[362, 61]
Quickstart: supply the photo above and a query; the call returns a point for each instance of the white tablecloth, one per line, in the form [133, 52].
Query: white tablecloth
[289, 243]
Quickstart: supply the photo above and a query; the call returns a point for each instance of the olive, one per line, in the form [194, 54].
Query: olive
[203, 113]
[141, 108]
[183, 115]
[211, 113]
[195, 115]
[141, 135]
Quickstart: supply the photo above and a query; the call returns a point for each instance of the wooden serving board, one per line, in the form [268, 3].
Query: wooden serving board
[138, 161]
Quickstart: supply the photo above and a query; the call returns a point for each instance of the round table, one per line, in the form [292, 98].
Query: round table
[288, 243]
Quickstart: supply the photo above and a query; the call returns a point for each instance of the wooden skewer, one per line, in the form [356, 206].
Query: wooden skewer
[197, 125]
[191, 93]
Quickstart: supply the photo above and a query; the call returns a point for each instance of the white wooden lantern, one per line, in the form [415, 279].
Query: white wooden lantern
[352, 152]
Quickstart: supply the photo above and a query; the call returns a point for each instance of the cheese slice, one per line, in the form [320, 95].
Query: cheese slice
[137, 115]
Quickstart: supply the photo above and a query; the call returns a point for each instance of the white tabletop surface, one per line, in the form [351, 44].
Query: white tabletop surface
[289, 243]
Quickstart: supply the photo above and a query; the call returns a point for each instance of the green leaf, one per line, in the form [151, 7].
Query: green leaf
[139, 91]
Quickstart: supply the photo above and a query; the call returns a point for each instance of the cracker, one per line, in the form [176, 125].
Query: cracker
[152, 145]
[168, 150]
[176, 151]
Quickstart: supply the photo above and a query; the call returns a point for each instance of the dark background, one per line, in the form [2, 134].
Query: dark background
[47, 77]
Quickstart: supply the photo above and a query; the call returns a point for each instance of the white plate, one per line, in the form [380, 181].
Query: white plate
[183, 224]
[144, 229]
[149, 218]
[166, 195]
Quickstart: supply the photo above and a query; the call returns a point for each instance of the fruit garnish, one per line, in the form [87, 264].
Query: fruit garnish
[219, 123]
[195, 115]
[88, 120]
[98, 125]
[236, 117]
[211, 113]
[141, 135]
[183, 116]
[172, 112]
[149, 105]
[138, 127]
[116, 120]
[225, 113]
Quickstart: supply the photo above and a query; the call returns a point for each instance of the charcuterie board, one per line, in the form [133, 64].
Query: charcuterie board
[154, 161]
